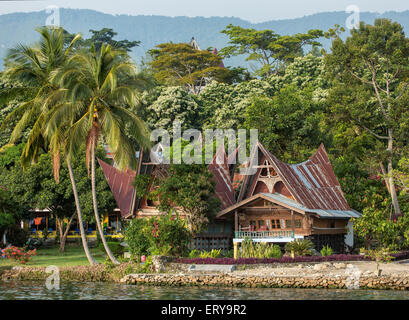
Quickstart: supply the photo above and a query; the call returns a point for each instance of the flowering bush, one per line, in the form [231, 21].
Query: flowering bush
[166, 235]
[338, 257]
[20, 254]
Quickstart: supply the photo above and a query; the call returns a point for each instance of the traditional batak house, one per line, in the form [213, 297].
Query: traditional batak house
[279, 202]
[272, 202]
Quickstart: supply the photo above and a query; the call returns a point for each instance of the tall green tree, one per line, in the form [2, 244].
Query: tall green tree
[182, 65]
[266, 47]
[106, 36]
[173, 104]
[290, 124]
[35, 187]
[99, 37]
[370, 74]
[10, 212]
[100, 87]
[190, 190]
[32, 68]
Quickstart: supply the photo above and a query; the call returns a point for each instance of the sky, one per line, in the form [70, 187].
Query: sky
[251, 10]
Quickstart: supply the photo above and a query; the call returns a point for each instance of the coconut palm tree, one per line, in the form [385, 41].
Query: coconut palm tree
[32, 68]
[101, 86]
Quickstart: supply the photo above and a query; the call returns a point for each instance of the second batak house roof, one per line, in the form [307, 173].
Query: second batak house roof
[121, 182]
[310, 186]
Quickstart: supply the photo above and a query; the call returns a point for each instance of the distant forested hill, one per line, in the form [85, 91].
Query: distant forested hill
[152, 30]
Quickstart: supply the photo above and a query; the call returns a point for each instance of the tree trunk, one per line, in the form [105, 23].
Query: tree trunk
[95, 204]
[90, 258]
[64, 233]
[385, 177]
[392, 188]
[4, 238]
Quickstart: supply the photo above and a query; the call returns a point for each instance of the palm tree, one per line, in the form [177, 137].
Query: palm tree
[100, 87]
[32, 68]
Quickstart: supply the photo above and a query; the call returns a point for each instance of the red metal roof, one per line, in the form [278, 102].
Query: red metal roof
[120, 183]
[312, 183]
[221, 174]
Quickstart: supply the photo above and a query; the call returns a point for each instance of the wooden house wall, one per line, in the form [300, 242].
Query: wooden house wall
[266, 211]
[329, 226]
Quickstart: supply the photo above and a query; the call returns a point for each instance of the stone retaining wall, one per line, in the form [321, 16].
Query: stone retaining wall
[228, 280]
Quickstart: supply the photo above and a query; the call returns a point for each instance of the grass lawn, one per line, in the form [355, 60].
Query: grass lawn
[73, 256]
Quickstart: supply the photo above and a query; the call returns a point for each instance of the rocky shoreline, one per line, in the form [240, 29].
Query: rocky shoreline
[354, 275]
[229, 280]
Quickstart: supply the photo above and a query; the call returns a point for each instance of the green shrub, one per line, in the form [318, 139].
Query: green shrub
[228, 254]
[210, 254]
[249, 249]
[326, 251]
[166, 235]
[194, 254]
[145, 267]
[300, 247]
[137, 237]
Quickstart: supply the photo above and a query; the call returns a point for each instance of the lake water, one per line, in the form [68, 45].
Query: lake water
[28, 290]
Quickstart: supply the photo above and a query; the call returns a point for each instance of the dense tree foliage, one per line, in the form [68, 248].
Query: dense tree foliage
[290, 124]
[370, 78]
[271, 50]
[191, 189]
[35, 186]
[183, 65]
[168, 104]
[166, 235]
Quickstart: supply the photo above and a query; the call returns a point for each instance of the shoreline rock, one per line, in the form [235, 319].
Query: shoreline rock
[230, 280]
[323, 275]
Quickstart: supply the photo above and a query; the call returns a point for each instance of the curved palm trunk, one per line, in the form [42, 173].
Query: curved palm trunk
[90, 258]
[95, 204]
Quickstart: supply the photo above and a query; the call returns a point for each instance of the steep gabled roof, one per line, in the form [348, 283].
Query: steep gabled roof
[221, 174]
[312, 183]
[120, 183]
[121, 186]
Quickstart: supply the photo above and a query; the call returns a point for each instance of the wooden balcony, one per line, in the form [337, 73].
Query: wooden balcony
[264, 234]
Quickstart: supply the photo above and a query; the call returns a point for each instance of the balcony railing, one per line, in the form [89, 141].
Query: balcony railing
[264, 234]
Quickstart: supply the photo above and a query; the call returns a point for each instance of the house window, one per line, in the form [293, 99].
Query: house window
[261, 223]
[288, 223]
[332, 224]
[297, 224]
[275, 224]
[253, 223]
